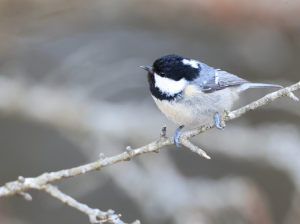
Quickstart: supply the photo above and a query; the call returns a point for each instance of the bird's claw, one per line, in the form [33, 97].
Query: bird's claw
[177, 135]
[217, 121]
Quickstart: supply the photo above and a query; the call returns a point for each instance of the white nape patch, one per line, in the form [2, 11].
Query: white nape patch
[168, 86]
[190, 62]
[216, 77]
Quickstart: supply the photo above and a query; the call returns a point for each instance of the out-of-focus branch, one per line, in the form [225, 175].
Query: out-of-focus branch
[95, 215]
[42, 182]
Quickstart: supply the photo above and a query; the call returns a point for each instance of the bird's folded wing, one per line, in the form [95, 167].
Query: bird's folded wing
[219, 80]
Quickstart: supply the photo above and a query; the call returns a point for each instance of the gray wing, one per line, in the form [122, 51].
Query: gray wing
[214, 79]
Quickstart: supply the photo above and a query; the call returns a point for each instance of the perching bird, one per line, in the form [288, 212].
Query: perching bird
[191, 93]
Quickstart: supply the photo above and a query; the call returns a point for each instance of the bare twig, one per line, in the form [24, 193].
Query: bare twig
[96, 216]
[24, 195]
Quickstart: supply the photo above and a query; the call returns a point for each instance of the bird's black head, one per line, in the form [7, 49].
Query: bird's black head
[176, 67]
[169, 73]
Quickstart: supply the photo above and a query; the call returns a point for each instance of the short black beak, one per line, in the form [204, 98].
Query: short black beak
[147, 68]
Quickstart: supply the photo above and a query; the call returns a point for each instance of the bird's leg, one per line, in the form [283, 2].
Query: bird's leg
[217, 121]
[176, 136]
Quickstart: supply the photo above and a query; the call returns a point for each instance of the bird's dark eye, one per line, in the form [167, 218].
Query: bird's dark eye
[162, 74]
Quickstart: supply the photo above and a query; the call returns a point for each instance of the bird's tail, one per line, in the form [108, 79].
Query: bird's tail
[249, 85]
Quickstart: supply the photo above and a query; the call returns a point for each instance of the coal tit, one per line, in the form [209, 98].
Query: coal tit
[191, 93]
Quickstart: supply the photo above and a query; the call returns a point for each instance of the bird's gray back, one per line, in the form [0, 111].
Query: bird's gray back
[211, 79]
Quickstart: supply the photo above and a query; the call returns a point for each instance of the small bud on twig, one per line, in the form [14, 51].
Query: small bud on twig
[21, 179]
[128, 149]
[110, 212]
[163, 132]
[101, 155]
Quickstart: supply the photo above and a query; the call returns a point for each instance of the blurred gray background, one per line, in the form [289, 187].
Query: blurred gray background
[71, 87]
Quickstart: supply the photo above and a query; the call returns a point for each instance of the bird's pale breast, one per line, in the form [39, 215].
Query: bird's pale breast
[196, 108]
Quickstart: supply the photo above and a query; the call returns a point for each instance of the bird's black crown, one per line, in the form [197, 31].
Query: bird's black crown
[172, 66]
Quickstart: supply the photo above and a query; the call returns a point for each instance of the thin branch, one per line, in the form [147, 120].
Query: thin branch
[42, 182]
[24, 195]
[95, 215]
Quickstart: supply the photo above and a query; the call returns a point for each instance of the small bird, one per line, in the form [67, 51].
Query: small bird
[191, 93]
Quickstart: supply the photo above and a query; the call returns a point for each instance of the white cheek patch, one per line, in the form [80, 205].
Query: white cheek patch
[190, 62]
[169, 86]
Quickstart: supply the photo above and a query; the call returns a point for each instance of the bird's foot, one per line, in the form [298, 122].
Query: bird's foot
[217, 121]
[176, 136]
